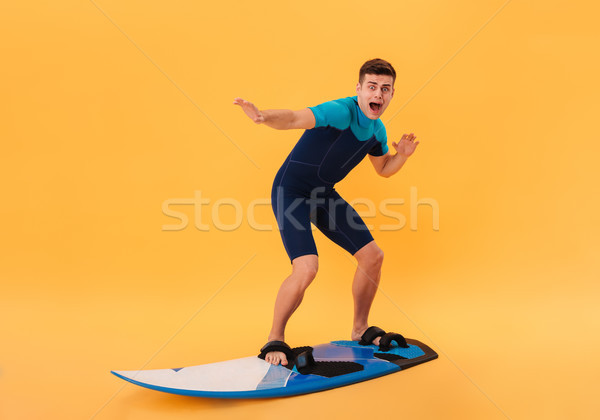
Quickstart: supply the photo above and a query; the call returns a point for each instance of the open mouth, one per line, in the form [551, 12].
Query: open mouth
[375, 107]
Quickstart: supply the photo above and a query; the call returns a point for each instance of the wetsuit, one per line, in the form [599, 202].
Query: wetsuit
[303, 190]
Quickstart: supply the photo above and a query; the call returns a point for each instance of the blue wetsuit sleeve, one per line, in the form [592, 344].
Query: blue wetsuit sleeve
[381, 148]
[333, 113]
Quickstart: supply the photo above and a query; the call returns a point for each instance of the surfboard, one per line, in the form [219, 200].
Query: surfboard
[338, 363]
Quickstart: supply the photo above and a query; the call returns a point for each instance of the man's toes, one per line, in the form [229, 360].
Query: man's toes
[276, 358]
[272, 358]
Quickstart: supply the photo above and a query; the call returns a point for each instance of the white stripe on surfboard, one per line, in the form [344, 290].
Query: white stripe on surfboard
[233, 375]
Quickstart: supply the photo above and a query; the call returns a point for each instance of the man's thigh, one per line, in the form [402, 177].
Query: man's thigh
[341, 223]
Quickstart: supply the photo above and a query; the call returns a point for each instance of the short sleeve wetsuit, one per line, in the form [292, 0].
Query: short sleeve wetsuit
[303, 190]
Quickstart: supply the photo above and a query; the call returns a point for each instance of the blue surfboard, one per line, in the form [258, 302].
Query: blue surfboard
[338, 363]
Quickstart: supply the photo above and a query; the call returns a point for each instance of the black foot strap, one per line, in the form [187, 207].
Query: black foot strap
[386, 341]
[371, 334]
[278, 346]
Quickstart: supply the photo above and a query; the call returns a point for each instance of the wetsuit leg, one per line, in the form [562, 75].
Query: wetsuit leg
[292, 212]
[342, 224]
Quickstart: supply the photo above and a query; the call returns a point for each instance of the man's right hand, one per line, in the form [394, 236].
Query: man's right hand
[251, 110]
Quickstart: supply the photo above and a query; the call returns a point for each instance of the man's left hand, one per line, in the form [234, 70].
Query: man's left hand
[407, 145]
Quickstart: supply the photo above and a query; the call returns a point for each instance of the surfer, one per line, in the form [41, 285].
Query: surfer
[338, 135]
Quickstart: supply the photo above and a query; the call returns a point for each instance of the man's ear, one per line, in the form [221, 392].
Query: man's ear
[358, 87]
[393, 91]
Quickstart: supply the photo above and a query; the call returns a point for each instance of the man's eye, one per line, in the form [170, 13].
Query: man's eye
[385, 89]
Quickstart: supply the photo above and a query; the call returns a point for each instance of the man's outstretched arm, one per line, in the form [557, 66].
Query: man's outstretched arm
[388, 164]
[281, 119]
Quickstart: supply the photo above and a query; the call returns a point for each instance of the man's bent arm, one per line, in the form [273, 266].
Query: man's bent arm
[388, 164]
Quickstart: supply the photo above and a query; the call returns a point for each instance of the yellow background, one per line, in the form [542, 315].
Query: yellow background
[110, 108]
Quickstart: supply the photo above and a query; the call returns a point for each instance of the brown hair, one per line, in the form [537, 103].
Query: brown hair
[376, 66]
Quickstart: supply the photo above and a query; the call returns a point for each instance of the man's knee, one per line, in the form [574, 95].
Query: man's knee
[306, 267]
[370, 255]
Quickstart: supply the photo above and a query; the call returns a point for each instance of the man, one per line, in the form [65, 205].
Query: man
[339, 134]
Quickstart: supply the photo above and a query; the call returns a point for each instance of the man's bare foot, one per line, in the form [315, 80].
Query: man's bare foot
[276, 357]
[357, 336]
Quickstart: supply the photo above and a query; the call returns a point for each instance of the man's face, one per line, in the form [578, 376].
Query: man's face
[375, 94]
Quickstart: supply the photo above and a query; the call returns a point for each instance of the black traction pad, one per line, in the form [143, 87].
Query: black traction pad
[388, 356]
[407, 363]
[298, 350]
[328, 369]
[332, 369]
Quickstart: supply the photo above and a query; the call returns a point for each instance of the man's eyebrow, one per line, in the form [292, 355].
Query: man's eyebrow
[375, 83]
